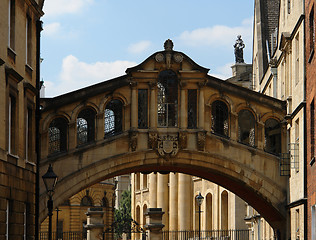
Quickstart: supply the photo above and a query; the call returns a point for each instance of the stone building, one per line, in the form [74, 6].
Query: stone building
[19, 85]
[72, 218]
[279, 72]
[310, 116]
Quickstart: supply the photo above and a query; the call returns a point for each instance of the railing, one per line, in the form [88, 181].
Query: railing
[64, 236]
[206, 235]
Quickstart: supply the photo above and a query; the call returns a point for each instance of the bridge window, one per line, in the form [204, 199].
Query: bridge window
[224, 210]
[219, 118]
[105, 202]
[86, 201]
[57, 136]
[167, 99]
[246, 127]
[209, 212]
[113, 117]
[192, 108]
[85, 126]
[142, 108]
[272, 132]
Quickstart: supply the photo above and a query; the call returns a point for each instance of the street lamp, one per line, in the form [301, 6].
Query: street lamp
[50, 180]
[199, 199]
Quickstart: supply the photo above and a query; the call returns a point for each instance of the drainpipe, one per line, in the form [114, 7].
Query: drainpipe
[37, 120]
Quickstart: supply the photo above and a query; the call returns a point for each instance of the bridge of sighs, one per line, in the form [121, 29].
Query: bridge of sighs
[168, 115]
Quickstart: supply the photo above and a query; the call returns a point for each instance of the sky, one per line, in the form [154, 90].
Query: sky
[89, 41]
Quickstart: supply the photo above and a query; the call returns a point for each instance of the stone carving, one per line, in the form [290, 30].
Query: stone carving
[133, 140]
[159, 57]
[201, 138]
[183, 138]
[168, 145]
[168, 45]
[178, 58]
[152, 140]
[239, 46]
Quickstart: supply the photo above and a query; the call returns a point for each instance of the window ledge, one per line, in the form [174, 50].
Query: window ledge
[28, 70]
[11, 54]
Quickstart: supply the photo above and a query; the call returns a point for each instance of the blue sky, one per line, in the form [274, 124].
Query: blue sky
[89, 41]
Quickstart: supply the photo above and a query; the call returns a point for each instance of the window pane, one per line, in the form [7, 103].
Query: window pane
[142, 108]
[220, 118]
[192, 108]
[246, 127]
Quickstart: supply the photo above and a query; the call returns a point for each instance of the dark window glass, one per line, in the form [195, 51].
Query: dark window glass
[143, 108]
[105, 202]
[57, 135]
[113, 117]
[192, 108]
[167, 99]
[85, 126]
[86, 201]
[272, 130]
[246, 127]
[219, 118]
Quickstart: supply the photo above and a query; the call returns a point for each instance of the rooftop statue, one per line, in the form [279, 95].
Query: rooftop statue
[239, 46]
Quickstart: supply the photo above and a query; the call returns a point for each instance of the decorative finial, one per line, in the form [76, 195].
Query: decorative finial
[168, 45]
[239, 46]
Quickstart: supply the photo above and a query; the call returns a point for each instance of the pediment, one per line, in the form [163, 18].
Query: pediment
[168, 59]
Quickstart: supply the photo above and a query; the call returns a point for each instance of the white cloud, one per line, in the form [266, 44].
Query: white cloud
[59, 7]
[51, 29]
[76, 74]
[218, 35]
[139, 47]
[223, 72]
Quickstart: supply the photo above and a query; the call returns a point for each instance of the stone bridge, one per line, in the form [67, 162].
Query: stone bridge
[168, 115]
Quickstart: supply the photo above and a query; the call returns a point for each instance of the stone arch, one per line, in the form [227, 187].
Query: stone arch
[50, 117]
[222, 97]
[80, 107]
[110, 97]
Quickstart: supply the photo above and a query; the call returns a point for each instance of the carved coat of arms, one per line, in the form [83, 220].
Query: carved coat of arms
[168, 145]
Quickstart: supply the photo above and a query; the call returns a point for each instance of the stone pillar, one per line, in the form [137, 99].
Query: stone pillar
[99, 133]
[95, 223]
[184, 201]
[201, 107]
[72, 135]
[173, 201]
[153, 106]
[154, 223]
[163, 196]
[134, 114]
[153, 190]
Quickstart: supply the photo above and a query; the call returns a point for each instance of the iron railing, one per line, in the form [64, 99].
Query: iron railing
[64, 236]
[206, 235]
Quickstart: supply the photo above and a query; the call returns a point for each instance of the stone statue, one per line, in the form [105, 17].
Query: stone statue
[239, 46]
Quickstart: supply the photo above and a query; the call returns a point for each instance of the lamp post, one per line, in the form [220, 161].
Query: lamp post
[199, 199]
[50, 180]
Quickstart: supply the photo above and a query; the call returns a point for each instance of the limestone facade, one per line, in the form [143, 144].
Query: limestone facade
[72, 217]
[19, 84]
[279, 71]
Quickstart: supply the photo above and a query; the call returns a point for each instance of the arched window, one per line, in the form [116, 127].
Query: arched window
[57, 135]
[272, 131]
[209, 212]
[113, 117]
[85, 126]
[220, 118]
[246, 127]
[105, 202]
[167, 99]
[86, 201]
[224, 210]
[144, 215]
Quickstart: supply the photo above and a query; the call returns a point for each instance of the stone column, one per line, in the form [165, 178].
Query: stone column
[201, 107]
[94, 223]
[154, 223]
[72, 139]
[173, 201]
[184, 201]
[153, 190]
[134, 114]
[163, 196]
[99, 128]
[153, 106]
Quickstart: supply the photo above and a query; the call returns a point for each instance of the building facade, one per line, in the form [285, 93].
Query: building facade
[310, 116]
[72, 218]
[19, 85]
[279, 71]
